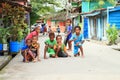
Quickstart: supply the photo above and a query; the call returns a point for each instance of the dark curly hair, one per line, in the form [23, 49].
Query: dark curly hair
[77, 27]
[51, 34]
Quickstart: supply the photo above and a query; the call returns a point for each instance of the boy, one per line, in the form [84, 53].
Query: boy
[49, 46]
[78, 41]
[35, 48]
[58, 30]
[26, 53]
[60, 48]
[69, 35]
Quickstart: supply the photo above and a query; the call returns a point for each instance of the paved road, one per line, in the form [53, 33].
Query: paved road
[100, 63]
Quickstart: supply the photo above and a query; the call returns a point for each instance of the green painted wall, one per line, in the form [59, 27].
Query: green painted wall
[90, 6]
[85, 6]
[94, 5]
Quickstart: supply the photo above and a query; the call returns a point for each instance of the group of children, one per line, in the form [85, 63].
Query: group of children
[55, 47]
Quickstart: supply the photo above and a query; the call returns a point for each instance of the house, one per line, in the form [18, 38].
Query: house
[93, 19]
[95, 24]
[57, 19]
[113, 16]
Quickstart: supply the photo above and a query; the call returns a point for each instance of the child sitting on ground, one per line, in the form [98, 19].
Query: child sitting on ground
[35, 48]
[78, 41]
[26, 53]
[49, 46]
[60, 48]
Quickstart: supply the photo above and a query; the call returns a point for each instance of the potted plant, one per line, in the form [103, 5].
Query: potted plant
[4, 32]
[16, 37]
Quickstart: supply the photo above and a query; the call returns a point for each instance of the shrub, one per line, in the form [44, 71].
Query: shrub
[112, 34]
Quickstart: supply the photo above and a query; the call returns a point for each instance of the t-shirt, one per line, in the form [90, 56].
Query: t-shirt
[58, 29]
[69, 29]
[51, 43]
[24, 47]
[79, 38]
[29, 36]
[63, 47]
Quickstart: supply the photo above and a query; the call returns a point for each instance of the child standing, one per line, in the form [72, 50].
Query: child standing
[58, 29]
[78, 41]
[60, 48]
[49, 46]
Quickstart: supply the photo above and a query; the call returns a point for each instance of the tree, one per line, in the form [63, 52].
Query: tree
[41, 7]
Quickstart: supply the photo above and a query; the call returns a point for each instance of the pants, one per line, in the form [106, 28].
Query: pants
[61, 54]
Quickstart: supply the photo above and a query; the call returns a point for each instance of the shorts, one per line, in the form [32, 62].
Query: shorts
[76, 49]
[50, 51]
[62, 54]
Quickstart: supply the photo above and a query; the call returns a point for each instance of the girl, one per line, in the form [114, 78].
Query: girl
[34, 33]
[60, 48]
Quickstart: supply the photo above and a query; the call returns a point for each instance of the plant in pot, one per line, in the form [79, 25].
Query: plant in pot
[4, 35]
[16, 37]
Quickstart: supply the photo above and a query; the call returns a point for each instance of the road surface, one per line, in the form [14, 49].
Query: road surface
[100, 63]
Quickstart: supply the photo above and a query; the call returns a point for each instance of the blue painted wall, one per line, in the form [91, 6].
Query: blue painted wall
[114, 17]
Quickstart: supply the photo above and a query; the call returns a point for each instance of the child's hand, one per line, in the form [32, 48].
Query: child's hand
[77, 44]
[38, 59]
[69, 55]
[74, 39]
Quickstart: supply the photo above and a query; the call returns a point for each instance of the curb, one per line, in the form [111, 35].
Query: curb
[5, 62]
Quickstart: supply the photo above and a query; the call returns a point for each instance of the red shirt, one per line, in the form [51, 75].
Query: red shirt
[29, 36]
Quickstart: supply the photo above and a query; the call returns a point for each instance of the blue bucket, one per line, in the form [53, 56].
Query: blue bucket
[1, 47]
[15, 47]
[22, 43]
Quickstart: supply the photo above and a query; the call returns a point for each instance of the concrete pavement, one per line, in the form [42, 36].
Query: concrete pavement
[100, 63]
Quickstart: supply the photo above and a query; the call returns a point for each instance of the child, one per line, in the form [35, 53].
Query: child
[49, 46]
[60, 48]
[68, 36]
[35, 48]
[58, 30]
[26, 53]
[78, 41]
[34, 33]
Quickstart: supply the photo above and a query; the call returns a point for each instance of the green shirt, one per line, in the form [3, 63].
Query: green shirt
[51, 43]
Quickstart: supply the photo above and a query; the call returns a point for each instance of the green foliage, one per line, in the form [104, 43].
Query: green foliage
[16, 16]
[4, 34]
[41, 7]
[112, 34]
[101, 3]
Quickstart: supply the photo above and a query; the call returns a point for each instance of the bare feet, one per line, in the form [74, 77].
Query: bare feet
[35, 60]
[38, 59]
[69, 49]
[45, 58]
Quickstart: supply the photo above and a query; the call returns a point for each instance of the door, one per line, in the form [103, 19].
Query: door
[85, 30]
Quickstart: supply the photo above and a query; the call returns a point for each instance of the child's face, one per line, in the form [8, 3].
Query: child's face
[34, 39]
[59, 39]
[77, 30]
[52, 38]
[28, 42]
[38, 29]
